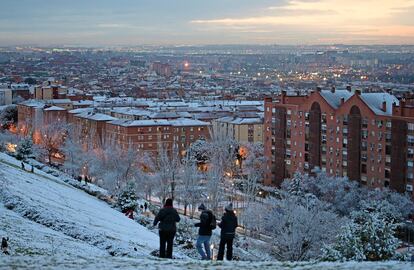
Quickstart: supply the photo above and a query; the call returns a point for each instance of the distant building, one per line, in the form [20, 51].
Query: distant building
[162, 69]
[20, 91]
[50, 92]
[5, 96]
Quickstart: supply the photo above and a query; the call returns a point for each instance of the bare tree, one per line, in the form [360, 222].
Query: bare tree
[76, 156]
[166, 171]
[51, 139]
[112, 166]
[189, 186]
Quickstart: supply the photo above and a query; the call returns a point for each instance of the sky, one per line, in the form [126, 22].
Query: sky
[194, 22]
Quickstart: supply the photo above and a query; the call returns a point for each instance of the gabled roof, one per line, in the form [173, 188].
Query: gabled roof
[137, 123]
[180, 122]
[334, 98]
[54, 108]
[374, 102]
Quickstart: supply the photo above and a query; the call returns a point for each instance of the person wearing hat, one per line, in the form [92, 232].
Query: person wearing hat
[206, 226]
[228, 227]
[167, 217]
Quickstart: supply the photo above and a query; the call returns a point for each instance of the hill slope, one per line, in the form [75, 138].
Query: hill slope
[46, 202]
[56, 226]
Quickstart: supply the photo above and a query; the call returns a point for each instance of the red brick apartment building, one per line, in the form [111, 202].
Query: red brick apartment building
[147, 135]
[368, 137]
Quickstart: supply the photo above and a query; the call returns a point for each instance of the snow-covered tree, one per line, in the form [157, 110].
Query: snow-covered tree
[24, 148]
[252, 156]
[253, 218]
[51, 139]
[199, 151]
[127, 199]
[402, 204]
[214, 186]
[166, 172]
[8, 117]
[369, 237]
[297, 185]
[300, 228]
[145, 182]
[76, 156]
[251, 186]
[344, 196]
[189, 186]
[112, 166]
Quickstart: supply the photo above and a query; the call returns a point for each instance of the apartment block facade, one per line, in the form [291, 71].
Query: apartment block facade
[344, 133]
[240, 129]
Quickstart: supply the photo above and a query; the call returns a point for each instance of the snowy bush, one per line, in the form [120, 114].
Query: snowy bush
[369, 237]
[299, 228]
[127, 199]
[344, 196]
[186, 232]
[24, 148]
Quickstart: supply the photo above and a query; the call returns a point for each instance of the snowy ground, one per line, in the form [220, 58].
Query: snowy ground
[53, 225]
[41, 262]
[50, 204]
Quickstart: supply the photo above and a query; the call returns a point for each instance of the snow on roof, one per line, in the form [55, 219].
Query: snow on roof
[83, 102]
[334, 99]
[55, 108]
[375, 100]
[188, 122]
[33, 103]
[159, 122]
[240, 120]
[137, 123]
[96, 116]
[170, 115]
[59, 101]
[131, 111]
[80, 110]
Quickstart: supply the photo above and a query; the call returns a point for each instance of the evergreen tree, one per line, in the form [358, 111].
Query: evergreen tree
[24, 149]
[368, 237]
[128, 199]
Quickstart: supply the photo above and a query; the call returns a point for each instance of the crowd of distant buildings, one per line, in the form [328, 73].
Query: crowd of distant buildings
[140, 124]
[366, 135]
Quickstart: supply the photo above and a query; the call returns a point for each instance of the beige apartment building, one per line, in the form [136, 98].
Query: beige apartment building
[240, 129]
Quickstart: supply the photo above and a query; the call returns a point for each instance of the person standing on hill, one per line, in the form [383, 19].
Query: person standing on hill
[206, 226]
[167, 217]
[228, 227]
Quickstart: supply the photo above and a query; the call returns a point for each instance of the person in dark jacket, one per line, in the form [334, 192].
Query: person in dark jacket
[228, 227]
[167, 217]
[206, 227]
[5, 245]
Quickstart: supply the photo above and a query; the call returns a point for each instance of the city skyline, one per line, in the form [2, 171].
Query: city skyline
[285, 22]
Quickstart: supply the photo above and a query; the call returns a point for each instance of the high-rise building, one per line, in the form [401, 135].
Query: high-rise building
[364, 136]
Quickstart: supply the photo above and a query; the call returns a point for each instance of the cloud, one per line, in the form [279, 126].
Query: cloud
[357, 18]
[114, 25]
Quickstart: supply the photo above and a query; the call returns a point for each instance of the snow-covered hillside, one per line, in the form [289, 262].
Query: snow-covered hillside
[46, 205]
[53, 225]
